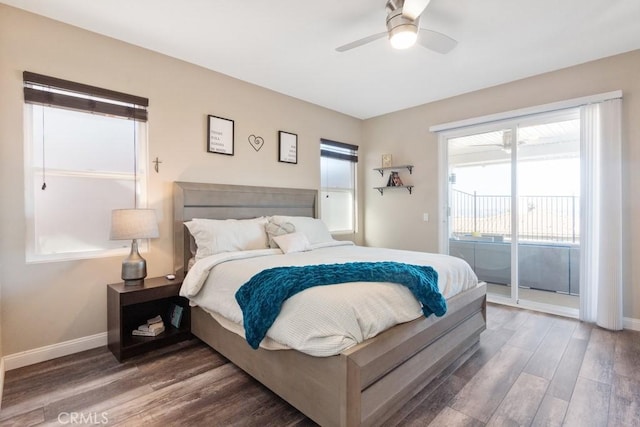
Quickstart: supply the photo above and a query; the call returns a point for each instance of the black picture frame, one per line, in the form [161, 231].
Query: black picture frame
[220, 135]
[287, 147]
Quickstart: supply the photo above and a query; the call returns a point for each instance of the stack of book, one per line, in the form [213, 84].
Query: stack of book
[153, 327]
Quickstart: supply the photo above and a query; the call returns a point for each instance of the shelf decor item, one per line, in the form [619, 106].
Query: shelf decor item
[288, 147]
[220, 135]
[134, 224]
[387, 160]
[395, 180]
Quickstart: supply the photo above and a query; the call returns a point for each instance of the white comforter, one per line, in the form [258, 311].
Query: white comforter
[323, 320]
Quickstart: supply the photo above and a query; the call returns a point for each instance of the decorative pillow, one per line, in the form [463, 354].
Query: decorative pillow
[274, 230]
[315, 230]
[292, 242]
[215, 236]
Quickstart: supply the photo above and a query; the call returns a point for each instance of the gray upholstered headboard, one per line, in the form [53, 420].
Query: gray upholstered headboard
[220, 201]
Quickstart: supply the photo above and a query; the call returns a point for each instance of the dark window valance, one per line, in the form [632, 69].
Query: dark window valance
[45, 90]
[338, 150]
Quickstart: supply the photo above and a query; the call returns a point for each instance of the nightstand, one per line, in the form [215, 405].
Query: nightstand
[130, 306]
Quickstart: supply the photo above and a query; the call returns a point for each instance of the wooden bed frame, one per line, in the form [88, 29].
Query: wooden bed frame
[363, 385]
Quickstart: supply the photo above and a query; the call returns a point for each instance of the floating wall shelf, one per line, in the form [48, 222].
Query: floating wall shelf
[381, 189]
[381, 170]
[394, 169]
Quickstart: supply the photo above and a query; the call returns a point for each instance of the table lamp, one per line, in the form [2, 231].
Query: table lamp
[133, 224]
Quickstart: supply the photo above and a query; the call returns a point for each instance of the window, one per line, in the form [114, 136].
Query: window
[338, 185]
[84, 157]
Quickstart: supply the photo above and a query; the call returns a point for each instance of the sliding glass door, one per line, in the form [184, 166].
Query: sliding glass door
[548, 226]
[513, 207]
[480, 209]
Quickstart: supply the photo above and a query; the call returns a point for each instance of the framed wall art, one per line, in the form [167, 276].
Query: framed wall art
[288, 147]
[220, 135]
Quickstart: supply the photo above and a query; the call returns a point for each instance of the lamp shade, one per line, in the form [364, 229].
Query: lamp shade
[129, 224]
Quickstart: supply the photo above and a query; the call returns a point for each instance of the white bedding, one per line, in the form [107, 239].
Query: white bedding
[323, 320]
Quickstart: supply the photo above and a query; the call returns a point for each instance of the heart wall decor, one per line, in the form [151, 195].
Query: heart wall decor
[256, 142]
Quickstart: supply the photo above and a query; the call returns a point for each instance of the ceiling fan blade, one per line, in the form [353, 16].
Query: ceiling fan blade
[436, 41]
[361, 42]
[413, 8]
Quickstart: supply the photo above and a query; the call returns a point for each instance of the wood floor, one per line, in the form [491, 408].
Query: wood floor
[530, 369]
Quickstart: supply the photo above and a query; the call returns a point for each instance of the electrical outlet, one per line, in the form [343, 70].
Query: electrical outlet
[425, 217]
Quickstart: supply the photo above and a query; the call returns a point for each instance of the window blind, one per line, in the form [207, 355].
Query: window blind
[338, 150]
[55, 92]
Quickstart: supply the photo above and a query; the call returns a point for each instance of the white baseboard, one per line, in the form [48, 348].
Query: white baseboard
[1, 379]
[37, 355]
[633, 324]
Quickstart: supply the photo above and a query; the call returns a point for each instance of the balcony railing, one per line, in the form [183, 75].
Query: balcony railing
[541, 218]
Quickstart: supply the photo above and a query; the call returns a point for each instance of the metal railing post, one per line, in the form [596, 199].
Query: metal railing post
[475, 212]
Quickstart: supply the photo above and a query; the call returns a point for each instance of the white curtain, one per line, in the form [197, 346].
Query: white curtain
[601, 221]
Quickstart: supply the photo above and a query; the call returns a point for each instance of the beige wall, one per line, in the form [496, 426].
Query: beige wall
[395, 219]
[49, 303]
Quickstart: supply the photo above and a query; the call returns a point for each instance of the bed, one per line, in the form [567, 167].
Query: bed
[363, 384]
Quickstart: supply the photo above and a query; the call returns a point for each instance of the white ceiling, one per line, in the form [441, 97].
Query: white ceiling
[289, 45]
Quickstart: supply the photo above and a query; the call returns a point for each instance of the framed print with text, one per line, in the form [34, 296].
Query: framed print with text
[220, 135]
[288, 147]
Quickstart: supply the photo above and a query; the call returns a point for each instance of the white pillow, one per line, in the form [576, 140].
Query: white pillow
[292, 242]
[214, 236]
[274, 229]
[315, 230]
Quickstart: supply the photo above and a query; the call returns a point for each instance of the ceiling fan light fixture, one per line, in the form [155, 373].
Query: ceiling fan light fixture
[403, 32]
[403, 28]
[403, 37]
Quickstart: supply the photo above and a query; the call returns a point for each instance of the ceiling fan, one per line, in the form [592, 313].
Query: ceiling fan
[507, 142]
[403, 29]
